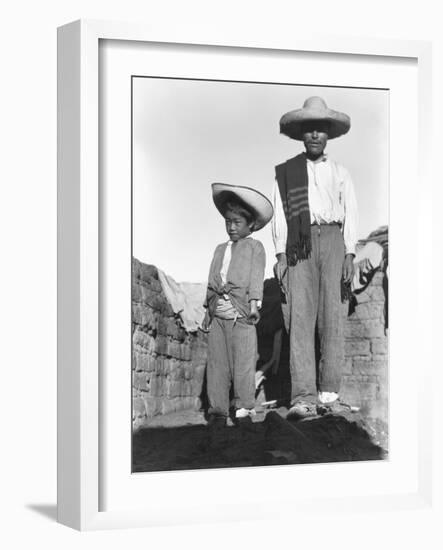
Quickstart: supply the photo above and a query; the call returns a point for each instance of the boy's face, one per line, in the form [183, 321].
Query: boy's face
[236, 226]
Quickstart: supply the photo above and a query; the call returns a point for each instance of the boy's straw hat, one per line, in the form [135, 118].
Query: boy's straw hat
[314, 108]
[259, 205]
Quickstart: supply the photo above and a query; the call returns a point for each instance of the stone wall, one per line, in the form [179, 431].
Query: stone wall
[365, 379]
[168, 363]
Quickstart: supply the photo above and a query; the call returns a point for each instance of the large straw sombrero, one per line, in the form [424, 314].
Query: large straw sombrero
[314, 108]
[254, 200]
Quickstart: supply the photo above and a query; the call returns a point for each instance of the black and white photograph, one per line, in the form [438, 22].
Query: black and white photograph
[222, 313]
[259, 274]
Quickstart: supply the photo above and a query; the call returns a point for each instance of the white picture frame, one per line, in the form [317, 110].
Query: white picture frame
[80, 444]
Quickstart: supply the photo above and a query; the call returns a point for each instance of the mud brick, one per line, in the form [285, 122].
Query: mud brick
[199, 352]
[349, 391]
[167, 406]
[356, 347]
[369, 311]
[374, 293]
[173, 388]
[141, 338]
[180, 404]
[369, 328]
[178, 372]
[362, 366]
[139, 381]
[161, 345]
[363, 297]
[196, 386]
[162, 325]
[377, 293]
[196, 405]
[151, 363]
[185, 351]
[173, 329]
[368, 390]
[172, 349]
[138, 313]
[148, 295]
[145, 316]
[154, 300]
[167, 386]
[190, 403]
[136, 291]
[188, 371]
[136, 265]
[152, 318]
[161, 365]
[140, 361]
[146, 272]
[379, 346]
[380, 366]
[153, 285]
[347, 366]
[367, 368]
[156, 388]
[168, 366]
[153, 405]
[186, 388]
[172, 367]
[377, 280]
[139, 408]
[199, 373]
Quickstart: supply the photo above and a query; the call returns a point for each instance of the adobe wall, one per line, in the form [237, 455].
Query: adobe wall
[168, 363]
[365, 378]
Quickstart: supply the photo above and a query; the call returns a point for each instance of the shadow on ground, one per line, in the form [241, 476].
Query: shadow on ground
[47, 510]
[271, 440]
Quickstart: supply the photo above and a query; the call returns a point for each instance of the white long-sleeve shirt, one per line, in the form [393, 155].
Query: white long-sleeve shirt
[331, 199]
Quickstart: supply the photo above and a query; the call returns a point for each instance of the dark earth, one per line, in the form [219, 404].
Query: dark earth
[183, 441]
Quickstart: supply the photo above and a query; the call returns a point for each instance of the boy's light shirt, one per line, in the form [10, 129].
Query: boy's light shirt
[226, 261]
[225, 266]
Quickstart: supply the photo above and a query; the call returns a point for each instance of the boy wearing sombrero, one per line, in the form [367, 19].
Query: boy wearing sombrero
[234, 294]
[315, 233]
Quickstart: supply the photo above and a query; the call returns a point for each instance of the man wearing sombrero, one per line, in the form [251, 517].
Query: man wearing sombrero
[314, 232]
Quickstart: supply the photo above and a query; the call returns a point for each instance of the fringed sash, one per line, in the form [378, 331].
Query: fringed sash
[292, 179]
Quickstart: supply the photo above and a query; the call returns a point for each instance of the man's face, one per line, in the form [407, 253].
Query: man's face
[315, 138]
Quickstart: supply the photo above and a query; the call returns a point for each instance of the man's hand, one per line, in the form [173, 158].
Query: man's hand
[281, 267]
[348, 268]
[206, 322]
[254, 315]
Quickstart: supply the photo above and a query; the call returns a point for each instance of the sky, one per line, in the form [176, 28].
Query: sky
[188, 134]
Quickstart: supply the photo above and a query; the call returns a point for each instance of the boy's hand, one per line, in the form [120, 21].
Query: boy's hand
[254, 315]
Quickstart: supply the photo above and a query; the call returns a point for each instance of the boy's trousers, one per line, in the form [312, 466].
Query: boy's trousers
[232, 357]
[314, 297]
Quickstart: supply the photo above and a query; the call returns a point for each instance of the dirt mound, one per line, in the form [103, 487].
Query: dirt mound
[271, 440]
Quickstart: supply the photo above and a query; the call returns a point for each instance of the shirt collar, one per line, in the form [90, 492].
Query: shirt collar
[323, 159]
[232, 242]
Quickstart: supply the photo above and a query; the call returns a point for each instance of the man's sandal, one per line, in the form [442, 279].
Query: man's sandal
[302, 409]
[336, 407]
